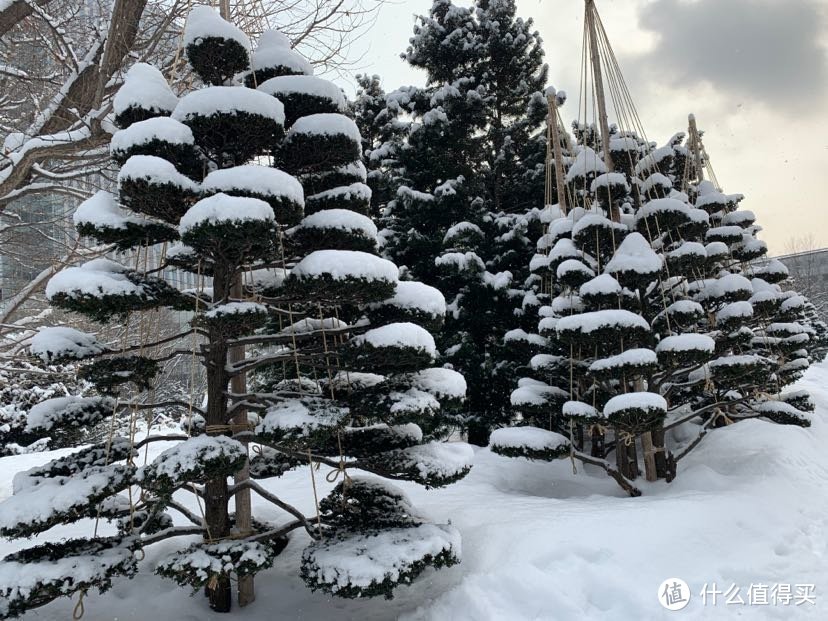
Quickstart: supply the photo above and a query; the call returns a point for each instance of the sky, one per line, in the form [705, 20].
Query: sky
[754, 73]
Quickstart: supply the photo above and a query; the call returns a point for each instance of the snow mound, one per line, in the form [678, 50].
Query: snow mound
[161, 128]
[341, 219]
[341, 264]
[323, 124]
[228, 100]
[145, 87]
[222, 208]
[61, 342]
[262, 180]
[416, 295]
[404, 334]
[347, 565]
[648, 401]
[95, 278]
[155, 170]
[527, 437]
[204, 22]
[305, 85]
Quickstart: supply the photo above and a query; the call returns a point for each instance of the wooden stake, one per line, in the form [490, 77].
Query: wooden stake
[695, 146]
[244, 513]
[649, 456]
[555, 137]
[598, 77]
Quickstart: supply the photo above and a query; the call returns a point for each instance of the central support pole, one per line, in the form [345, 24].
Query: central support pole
[695, 147]
[244, 511]
[555, 139]
[598, 78]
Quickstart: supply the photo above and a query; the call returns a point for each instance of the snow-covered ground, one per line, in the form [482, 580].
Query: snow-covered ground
[749, 507]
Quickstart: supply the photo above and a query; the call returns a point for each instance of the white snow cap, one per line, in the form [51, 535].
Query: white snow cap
[356, 191]
[204, 22]
[274, 39]
[328, 124]
[586, 162]
[416, 295]
[363, 560]
[687, 342]
[601, 285]
[609, 179]
[94, 278]
[228, 100]
[341, 219]
[305, 85]
[262, 180]
[64, 342]
[642, 400]
[274, 50]
[102, 210]
[440, 382]
[221, 208]
[341, 264]
[144, 87]
[533, 438]
[161, 128]
[404, 334]
[156, 170]
[631, 357]
[634, 255]
[235, 308]
[47, 413]
[589, 322]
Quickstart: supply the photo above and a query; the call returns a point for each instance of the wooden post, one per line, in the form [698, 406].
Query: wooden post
[695, 146]
[244, 513]
[554, 136]
[598, 77]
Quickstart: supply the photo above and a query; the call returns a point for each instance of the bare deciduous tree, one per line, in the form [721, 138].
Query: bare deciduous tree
[61, 61]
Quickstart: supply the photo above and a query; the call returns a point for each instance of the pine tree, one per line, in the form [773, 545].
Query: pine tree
[469, 171]
[289, 247]
[664, 315]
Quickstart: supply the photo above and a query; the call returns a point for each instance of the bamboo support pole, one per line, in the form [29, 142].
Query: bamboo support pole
[695, 147]
[555, 138]
[598, 78]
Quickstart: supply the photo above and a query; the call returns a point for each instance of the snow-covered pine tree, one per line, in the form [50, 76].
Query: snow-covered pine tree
[194, 171]
[664, 318]
[24, 384]
[469, 168]
[390, 405]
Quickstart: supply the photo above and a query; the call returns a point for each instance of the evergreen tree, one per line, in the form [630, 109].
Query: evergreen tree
[469, 170]
[290, 245]
[664, 315]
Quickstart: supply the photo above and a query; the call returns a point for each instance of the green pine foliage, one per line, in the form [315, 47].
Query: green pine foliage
[464, 158]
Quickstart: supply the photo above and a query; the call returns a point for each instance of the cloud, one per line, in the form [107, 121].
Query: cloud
[767, 51]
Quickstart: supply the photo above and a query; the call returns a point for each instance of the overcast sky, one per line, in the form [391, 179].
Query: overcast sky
[754, 72]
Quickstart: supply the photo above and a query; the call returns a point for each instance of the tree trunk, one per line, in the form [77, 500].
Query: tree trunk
[626, 458]
[660, 453]
[215, 490]
[598, 442]
[478, 434]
